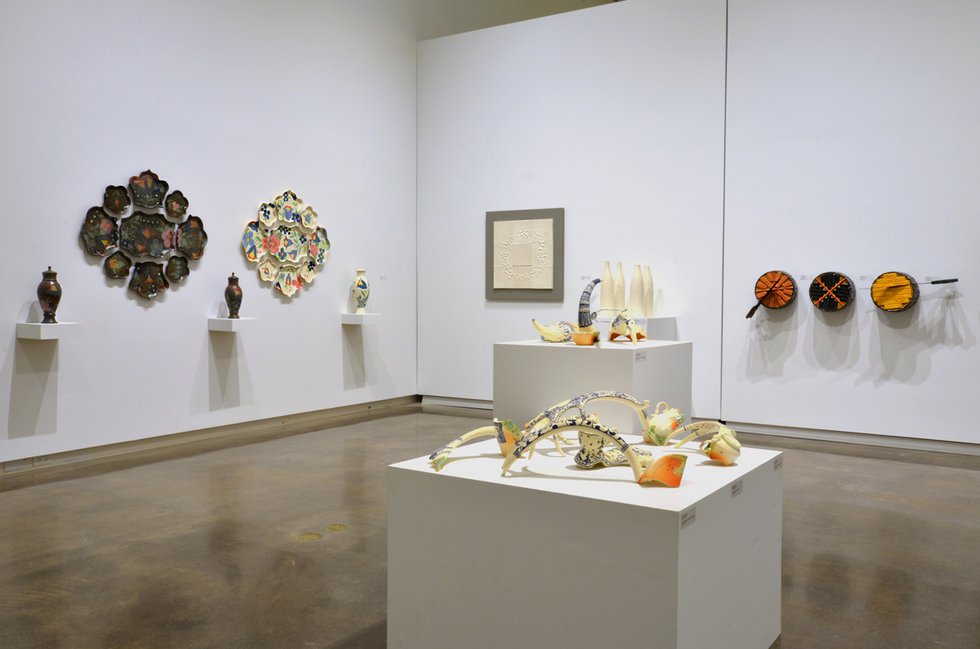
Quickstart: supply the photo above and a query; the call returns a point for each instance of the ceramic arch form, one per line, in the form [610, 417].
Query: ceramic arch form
[286, 243]
[667, 469]
[507, 433]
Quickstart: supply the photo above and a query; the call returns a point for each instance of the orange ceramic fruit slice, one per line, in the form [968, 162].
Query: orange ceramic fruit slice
[667, 470]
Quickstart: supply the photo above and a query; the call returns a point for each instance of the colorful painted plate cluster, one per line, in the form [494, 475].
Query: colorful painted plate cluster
[286, 243]
[149, 233]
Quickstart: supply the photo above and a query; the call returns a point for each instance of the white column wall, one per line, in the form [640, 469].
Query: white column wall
[854, 146]
[614, 113]
[231, 102]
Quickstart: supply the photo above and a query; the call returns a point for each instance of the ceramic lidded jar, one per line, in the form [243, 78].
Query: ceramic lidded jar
[49, 295]
[233, 296]
[360, 290]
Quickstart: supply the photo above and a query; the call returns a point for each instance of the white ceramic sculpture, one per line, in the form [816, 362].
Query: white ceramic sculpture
[619, 288]
[637, 305]
[647, 292]
[606, 289]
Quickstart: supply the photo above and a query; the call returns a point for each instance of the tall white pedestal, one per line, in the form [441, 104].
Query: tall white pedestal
[555, 556]
[529, 376]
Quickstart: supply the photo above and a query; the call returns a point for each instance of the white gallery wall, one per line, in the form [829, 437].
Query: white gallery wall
[854, 146]
[231, 102]
[850, 134]
[614, 113]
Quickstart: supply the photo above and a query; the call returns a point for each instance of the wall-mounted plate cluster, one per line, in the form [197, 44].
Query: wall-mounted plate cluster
[286, 243]
[832, 291]
[145, 236]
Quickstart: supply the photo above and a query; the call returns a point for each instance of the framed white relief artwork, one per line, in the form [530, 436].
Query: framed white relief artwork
[525, 252]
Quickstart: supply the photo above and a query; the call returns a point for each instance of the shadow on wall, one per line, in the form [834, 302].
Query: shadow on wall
[355, 368]
[902, 344]
[771, 342]
[835, 339]
[363, 362]
[229, 382]
[33, 369]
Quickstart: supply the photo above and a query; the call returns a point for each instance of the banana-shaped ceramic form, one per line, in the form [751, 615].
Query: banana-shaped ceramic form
[506, 432]
[661, 424]
[624, 325]
[559, 332]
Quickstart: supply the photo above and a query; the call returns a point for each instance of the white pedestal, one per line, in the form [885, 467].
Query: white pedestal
[358, 319]
[49, 331]
[231, 325]
[555, 556]
[657, 327]
[529, 376]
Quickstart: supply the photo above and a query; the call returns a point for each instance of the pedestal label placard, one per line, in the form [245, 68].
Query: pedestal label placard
[736, 487]
[688, 516]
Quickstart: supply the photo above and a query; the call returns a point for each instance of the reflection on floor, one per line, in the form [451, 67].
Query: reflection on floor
[282, 543]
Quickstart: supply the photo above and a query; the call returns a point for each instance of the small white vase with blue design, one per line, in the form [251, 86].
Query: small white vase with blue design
[360, 291]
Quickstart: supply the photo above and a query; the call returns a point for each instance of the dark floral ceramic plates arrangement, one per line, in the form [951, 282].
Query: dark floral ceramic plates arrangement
[159, 228]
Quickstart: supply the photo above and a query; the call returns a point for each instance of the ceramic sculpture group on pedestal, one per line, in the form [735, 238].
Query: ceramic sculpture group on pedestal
[585, 333]
[603, 446]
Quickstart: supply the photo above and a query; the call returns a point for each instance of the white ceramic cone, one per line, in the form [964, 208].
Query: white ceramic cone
[606, 289]
[647, 292]
[637, 305]
[619, 288]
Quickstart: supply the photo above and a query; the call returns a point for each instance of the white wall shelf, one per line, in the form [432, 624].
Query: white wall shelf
[358, 319]
[231, 325]
[49, 331]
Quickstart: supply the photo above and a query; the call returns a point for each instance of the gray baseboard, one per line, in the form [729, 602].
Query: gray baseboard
[209, 438]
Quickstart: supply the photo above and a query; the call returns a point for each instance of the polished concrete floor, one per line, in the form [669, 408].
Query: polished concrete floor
[282, 544]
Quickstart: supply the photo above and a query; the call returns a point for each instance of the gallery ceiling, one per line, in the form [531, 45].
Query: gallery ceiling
[436, 18]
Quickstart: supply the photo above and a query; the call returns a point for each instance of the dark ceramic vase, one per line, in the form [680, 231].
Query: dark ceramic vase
[233, 296]
[49, 295]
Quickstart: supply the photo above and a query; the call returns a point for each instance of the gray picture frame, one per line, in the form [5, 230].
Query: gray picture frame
[557, 291]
